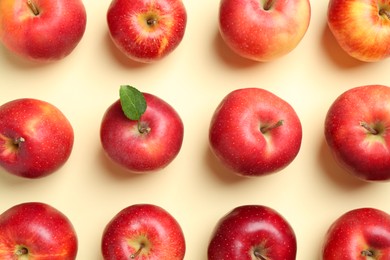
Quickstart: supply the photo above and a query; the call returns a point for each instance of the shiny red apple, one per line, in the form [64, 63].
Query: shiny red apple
[143, 232]
[362, 233]
[253, 132]
[36, 138]
[42, 30]
[147, 142]
[146, 30]
[357, 132]
[36, 231]
[263, 30]
[252, 232]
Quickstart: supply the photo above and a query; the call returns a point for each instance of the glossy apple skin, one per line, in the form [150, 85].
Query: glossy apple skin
[149, 224]
[251, 229]
[263, 35]
[237, 141]
[45, 232]
[48, 138]
[362, 154]
[360, 28]
[356, 233]
[129, 29]
[49, 36]
[142, 152]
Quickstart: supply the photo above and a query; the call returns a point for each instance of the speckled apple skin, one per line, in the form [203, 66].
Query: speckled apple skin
[251, 228]
[43, 230]
[143, 223]
[263, 35]
[48, 138]
[235, 135]
[142, 42]
[363, 155]
[142, 152]
[49, 36]
[355, 232]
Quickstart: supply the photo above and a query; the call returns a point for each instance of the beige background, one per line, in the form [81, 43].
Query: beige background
[311, 192]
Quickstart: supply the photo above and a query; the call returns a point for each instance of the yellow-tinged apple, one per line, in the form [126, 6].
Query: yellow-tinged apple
[42, 30]
[263, 30]
[361, 27]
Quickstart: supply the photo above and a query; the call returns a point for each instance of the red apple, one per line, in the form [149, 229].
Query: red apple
[362, 233]
[147, 142]
[263, 30]
[361, 27]
[254, 132]
[36, 138]
[35, 230]
[42, 30]
[252, 232]
[357, 132]
[143, 231]
[146, 30]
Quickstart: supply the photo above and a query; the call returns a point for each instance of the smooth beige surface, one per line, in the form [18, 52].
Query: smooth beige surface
[310, 193]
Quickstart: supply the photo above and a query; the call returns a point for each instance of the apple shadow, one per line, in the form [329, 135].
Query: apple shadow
[221, 172]
[11, 179]
[21, 63]
[115, 170]
[229, 57]
[334, 171]
[336, 53]
[120, 57]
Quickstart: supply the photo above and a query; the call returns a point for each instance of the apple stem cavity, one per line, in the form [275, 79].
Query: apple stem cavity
[21, 251]
[267, 128]
[369, 128]
[132, 256]
[268, 4]
[33, 7]
[151, 21]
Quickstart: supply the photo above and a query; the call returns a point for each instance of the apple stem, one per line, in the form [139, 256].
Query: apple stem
[384, 11]
[132, 256]
[143, 128]
[151, 21]
[369, 128]
[33, 7]
[258, 255]
[18, 141]
[268, 4]
[265, 129]
[367, 253]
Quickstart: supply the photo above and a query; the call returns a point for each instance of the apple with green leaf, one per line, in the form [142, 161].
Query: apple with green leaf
[141, 132]
[357, 132]
[143, 231]
[42, 30]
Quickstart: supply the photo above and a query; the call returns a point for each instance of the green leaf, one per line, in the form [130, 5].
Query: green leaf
[132, 101]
